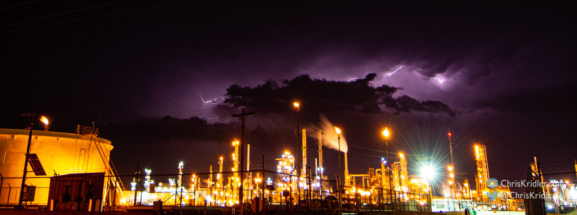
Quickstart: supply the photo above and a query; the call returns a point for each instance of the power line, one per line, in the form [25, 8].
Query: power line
[58, 14]
[17, 5]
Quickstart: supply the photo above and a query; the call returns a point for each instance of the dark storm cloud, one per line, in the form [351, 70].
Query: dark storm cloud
[321, 95]
[159, 60]
[157, 131]
[274, 102]
[508, 63]
[168, 129]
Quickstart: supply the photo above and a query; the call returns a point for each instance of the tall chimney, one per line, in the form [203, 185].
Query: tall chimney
[247, 157]
[248, 174]
[316, 166]
[220, 168]
[235, 157]
[210, 175]
[321, 153]
[304, 170]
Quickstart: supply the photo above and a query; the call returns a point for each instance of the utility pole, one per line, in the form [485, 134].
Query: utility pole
[298, 153]
[136, 187]
[32, 115]
[242, 116]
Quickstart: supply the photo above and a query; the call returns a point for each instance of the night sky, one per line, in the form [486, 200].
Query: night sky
[161, 79]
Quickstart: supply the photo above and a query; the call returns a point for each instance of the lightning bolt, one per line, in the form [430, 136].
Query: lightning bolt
[440, 80]
[352, 79]
[209, 101]
[390, 74]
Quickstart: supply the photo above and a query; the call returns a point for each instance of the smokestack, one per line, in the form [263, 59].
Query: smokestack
[247, 157]
[210, 174]
[220, 164]
[321, 153]
[384, 173]
[248, 174]
[235, 157]
[220, 167]
[317, 166]
[304, 170]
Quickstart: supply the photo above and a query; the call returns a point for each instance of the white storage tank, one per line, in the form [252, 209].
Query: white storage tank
[59, 153]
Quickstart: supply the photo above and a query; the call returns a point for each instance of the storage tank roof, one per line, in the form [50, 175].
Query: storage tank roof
[8, 131]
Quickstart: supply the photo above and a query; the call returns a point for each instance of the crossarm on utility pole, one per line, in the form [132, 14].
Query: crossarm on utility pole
[242, 116]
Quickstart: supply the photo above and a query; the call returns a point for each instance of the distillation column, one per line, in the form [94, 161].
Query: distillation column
[403, 173]
[482, 170]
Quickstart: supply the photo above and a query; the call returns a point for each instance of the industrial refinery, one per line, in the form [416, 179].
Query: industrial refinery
[73, 172]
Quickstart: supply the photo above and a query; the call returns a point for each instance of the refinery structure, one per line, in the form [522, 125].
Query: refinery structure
[73, 172]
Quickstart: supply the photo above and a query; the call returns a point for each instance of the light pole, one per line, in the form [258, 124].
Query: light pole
[452, 184]
[387, 137]
[339, 175]
[45, 121]
[428, 172]
[298, 158]
[454, 187]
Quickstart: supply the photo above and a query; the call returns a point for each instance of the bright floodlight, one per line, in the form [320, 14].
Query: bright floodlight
[296, 104]
[386, 133]
[44, 120]
[338, 130]
[428, 172]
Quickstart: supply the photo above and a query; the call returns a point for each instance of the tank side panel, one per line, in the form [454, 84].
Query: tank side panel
[60, 155]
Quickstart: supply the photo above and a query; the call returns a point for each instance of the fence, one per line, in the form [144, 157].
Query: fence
[272, 190]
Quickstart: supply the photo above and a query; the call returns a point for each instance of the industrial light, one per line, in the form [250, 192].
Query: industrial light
[338, 130]
[44, 120]
[428, 172]
[296, 104]
[386, 133]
